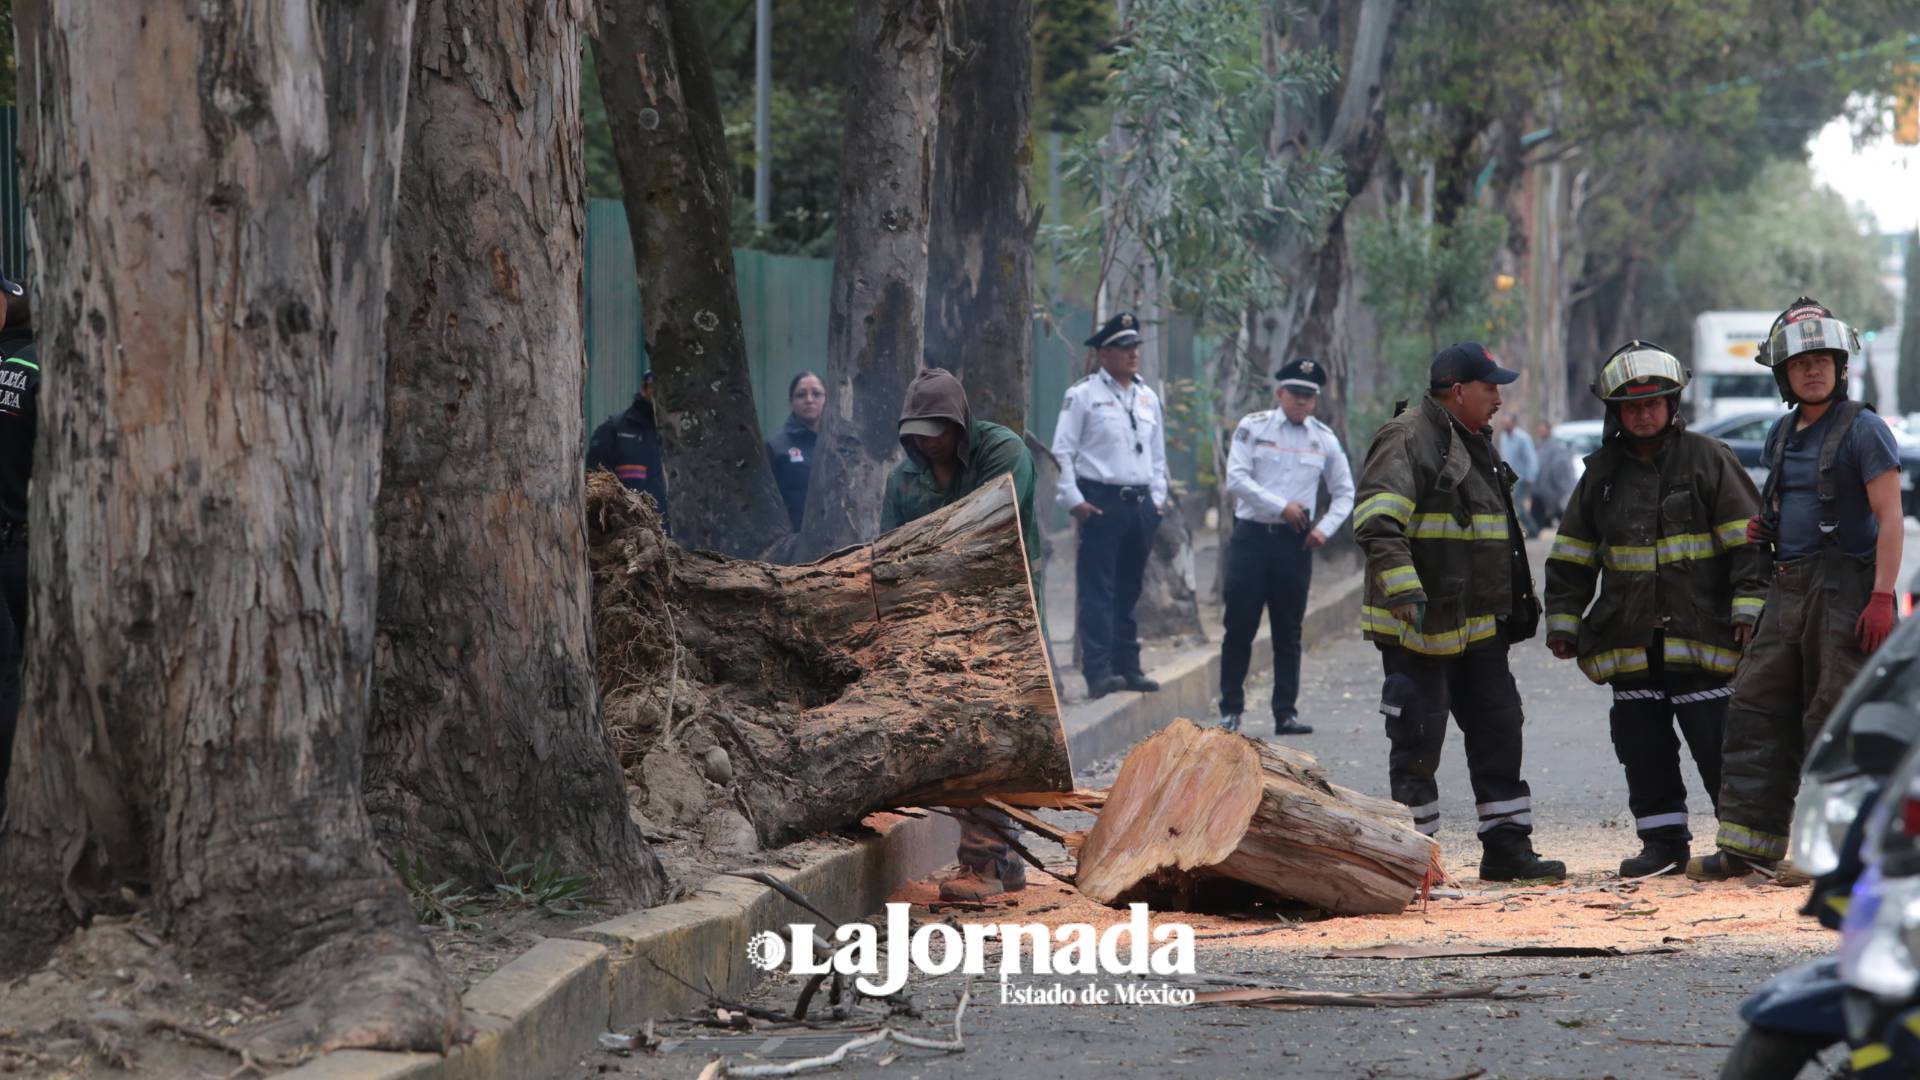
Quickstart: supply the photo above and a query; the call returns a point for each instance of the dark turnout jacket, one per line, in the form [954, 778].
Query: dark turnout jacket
[1666, 543]
[1433, 518]
[19, 415]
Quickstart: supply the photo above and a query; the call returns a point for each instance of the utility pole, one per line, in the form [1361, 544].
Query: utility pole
[762, 112]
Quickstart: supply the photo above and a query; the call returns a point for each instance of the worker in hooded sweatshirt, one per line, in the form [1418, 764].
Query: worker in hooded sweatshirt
[950, 455]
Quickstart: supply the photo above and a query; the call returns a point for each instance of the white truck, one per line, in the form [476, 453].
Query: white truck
[1726, 379]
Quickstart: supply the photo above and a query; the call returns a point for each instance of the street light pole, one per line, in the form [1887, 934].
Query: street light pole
[762, 112]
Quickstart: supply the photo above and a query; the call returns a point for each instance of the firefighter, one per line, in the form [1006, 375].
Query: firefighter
[1830, 513]
[1448, 590]
[1659, 521]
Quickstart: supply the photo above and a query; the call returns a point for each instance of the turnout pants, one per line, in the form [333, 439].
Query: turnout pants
[13, 641]
[1645, 710]
[1268, 568]
[1803, 654]
[1108, 573]
[1478, 689]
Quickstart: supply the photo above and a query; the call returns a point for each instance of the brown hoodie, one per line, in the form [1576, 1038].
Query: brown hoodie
[935, 394]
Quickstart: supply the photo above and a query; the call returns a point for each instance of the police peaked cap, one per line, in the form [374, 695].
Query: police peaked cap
[1120, 331]
[1302, 374]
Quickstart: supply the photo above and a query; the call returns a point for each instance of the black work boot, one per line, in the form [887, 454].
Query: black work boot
[1291, 725]
[1099, 686]
[1507, 855]
[1229, 721]
[1657, 856]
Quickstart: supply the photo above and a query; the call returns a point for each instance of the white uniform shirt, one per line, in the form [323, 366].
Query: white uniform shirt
[1094, 439]
[1273, 462]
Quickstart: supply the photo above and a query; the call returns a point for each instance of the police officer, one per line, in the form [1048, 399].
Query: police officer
[1659, 521]
[1274, 470]
[19, 416]
[628, 445]
[1111, 446]
[1830, 511]
[1448, 590]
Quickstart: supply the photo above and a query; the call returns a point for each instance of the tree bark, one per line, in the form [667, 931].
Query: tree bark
[1193, 809]
[980, 262]
[903, 672]
[486, 732]
[672, 153]
[876, 331]
[1351, 126]
[213, 186]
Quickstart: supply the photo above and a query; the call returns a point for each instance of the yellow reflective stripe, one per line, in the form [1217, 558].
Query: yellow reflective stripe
[1750, 841]
[1444, 643]
[1567, 624]
[1839, 906]
[1573, 550]
[1684, 546]
[1749, 605]
[1870, 1055]
[1445, 527]
[1400, 579]
[1397, 507]
[1912, 1022]
[1702, 655]
[1732, 533]
[1629, 558]
[1602, 666]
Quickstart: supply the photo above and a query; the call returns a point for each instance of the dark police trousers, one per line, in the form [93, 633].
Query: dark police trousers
[13, 639]
[1270, 568]
[1478, 689]
[1645, 709]
[1108, 572]
[1803, 654]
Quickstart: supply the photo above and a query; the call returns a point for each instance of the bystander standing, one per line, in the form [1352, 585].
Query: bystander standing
[790, 451]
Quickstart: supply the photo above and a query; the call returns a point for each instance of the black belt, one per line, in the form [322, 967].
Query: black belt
[1274, 528]
[1123, 492]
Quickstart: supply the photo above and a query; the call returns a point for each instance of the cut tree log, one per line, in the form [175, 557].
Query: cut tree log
[903, 672]
[1193, 808]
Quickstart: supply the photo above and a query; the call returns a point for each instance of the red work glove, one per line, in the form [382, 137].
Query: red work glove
[1876, 622]
[1758, 531]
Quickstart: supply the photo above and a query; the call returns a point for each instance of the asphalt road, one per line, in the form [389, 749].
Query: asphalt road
[1642, 1016]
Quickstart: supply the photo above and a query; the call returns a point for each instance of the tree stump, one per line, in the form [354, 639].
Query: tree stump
[1193, 806]
[906, 671]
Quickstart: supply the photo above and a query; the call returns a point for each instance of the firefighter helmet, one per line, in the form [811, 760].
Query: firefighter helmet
[1638, 370]
[1807, 326]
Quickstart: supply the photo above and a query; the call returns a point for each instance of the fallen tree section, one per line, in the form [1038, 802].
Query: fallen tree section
[1193, 808]
[908, 671]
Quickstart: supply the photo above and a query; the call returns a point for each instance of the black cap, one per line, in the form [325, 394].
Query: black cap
[10, 287]
[1304, 375]
[646, 376]
[1121, 331]
[1467, 362]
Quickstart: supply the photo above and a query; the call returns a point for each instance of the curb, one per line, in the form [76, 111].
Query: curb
[1189, 683]
[538, 1014]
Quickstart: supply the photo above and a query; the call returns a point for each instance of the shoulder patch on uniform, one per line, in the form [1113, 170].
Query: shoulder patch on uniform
[1241, 434]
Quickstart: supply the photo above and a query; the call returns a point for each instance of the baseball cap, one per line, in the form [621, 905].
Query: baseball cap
[930, 428]
[1464, 362]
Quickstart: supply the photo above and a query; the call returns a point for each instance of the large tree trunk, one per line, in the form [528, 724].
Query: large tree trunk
[672, 152]
[1197, 810]
[980, 261]
[1350, 126]
[486, 730]
[875, 334]
[213, 188]
[903, 672]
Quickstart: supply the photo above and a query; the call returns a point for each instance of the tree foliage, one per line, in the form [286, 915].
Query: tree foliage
[1194, 184]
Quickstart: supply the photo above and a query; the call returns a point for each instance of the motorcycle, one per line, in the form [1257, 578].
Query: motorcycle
[1803, 1011]
[1880, 937]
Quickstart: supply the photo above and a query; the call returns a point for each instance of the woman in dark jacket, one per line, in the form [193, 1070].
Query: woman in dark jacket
[791, 448]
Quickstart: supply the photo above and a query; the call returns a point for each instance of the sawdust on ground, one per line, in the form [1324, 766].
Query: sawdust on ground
[1589, 911]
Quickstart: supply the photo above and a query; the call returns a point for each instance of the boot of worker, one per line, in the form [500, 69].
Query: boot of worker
[1658, 855]
[971, 884]
[1508, 855]
[1724, 865]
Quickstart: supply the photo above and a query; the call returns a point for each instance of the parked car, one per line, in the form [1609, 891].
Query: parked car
[1746, 436]
[1583, 438]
